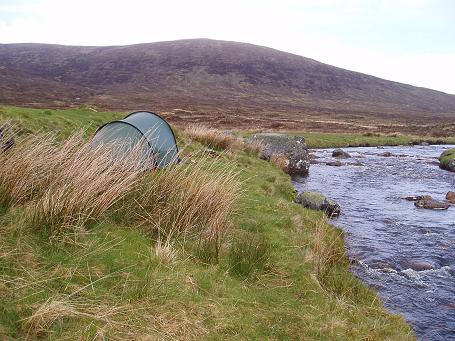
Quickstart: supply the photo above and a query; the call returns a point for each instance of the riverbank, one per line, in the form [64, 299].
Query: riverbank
[281, 272]
[317, 140]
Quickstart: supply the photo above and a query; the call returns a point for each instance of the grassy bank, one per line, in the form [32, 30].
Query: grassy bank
[335, 140]
[340, 140]
[278, 271]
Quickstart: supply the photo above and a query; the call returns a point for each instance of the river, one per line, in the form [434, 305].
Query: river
[391, 239]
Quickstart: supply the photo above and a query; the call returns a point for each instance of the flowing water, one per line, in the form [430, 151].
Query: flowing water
[406, 253]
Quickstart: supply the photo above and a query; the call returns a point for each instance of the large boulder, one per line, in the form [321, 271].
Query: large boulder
[293, 148]
[318, 201]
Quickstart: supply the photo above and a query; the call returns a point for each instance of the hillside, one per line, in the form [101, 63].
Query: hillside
[204, 76]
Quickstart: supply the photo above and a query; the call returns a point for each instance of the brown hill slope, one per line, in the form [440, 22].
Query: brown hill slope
[202, 75]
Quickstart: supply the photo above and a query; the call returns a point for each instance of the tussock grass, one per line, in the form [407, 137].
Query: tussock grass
[281, 161]
[213, 138]
[331, 265]
[326, 251]
[26, 169]
[86, 184]
[106, 319]
[67, 184]
[72, 184]
[164, 251]
[254, 147]
[249, 255]
[192, 199]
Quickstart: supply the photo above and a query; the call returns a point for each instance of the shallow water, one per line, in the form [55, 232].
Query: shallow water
[387, 235]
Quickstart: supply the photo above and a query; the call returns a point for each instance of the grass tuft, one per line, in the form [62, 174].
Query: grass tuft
[249, 255]
[86, 184]
[195, 198]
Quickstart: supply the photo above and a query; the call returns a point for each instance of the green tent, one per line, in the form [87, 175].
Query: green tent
[147, 129]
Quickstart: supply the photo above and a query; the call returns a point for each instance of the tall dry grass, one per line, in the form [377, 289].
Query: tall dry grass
[331, 265]
[194, 198]
[68, 185]
[254, 147]
[213, 138]
[86, 184]
[328, 248]
[280, 161]
[109, 321]
[26, 168]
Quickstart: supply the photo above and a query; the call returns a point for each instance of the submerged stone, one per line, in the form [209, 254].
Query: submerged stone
[336, 163]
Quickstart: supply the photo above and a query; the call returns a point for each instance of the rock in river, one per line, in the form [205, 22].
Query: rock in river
[336, 163]
[293, 148]
[340, 153]
[431, 204]
[450, 197]
[417, 265]
[386, 154]
[418, 197]
[318, 201]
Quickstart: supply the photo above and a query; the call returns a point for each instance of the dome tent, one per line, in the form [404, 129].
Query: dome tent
[142, 127]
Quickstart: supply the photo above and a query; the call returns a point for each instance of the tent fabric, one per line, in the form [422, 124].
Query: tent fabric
[142, 127]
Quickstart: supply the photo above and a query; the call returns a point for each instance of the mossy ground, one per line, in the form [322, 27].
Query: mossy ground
[116, 283]
[447, 157]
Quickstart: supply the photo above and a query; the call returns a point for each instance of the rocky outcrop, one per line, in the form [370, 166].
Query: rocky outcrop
[318, 201]
[447, 160]
[292, 148]
[340, 153]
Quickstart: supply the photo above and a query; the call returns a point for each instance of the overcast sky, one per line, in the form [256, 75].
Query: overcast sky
[411, 41]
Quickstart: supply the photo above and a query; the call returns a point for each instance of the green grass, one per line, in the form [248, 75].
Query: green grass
[115, 283]
[333, 140]
[62, 122]
[340, 140]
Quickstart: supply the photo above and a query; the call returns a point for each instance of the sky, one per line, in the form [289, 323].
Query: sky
[409, 41]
